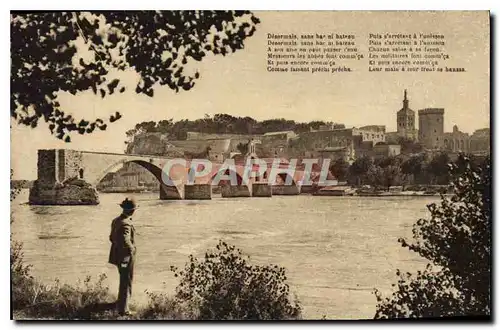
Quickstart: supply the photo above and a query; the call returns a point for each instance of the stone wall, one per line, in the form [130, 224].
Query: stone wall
[58, 165]
[274, 146]
[70, 164]
[210, 136]
[308, 144]
[58, 180]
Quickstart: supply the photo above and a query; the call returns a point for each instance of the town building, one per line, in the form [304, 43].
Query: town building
[480, 141]
[456, 141]
[347, 143]
[384, 150]
[330, 127]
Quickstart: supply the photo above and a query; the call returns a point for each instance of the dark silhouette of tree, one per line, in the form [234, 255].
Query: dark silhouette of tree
[242, 148]
[224, 285]
[457, 242]
[387, 161]
[222, 124]
[438, 168]
[414, 166]
[386, 177]
[340, 169]
[359, 168]
[156, 44]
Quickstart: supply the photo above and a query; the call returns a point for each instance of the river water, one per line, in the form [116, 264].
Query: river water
[336, 250]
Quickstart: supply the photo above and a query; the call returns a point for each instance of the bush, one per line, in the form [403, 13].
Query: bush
[21, 280]
[225, 286]
[163, 307]
[457, 242]
[87, 300]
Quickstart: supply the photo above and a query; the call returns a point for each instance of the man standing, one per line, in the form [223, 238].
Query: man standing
[122, 253]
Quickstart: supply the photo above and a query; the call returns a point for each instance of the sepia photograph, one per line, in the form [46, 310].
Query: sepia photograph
[250, 165]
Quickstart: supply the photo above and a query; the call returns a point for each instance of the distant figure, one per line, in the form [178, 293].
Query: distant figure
[122, 253]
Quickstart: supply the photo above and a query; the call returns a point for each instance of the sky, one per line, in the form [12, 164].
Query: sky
[240, 85]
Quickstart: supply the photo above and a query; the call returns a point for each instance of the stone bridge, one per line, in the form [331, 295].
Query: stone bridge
[69, 177]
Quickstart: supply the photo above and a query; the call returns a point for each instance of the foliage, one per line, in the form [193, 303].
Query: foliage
[242, 148]
[224, 285]
[220, 124]
[63, 301]
[340, 169]
[457, 242]
[415, 166]
[386, 177]
[46, 58]
[162, 307]
[360, 167]
[14, 191]
[438, 168]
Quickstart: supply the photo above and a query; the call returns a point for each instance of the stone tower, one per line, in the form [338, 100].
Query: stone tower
[431, 127]
[406, 120]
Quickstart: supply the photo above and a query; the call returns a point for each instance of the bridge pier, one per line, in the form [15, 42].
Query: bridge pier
[60, 180]
[308, 189]
[198, 191]
[236, 191]
[286, 190]
[261, 189]
[171, 192]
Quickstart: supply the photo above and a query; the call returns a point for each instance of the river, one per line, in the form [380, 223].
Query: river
[336, 250]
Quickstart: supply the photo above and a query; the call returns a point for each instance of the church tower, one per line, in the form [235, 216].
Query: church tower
[406, 120]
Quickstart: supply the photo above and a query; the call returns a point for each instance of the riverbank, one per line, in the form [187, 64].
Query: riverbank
[411, 191]
[202, 293]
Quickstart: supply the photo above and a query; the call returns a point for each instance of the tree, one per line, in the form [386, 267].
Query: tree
[457, 242]
[340, 169]
[415, 167]
[359, 168]
[242, 148]
[387, 161]
[384, 176]
[438, 168]
[224, 285]
[157, 45]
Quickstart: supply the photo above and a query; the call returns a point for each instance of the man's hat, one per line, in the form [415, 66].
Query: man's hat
[128, 204]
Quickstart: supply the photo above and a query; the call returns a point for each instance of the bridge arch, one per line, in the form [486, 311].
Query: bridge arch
[156, 171]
